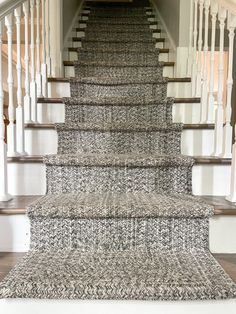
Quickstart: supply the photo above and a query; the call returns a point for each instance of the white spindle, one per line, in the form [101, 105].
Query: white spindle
[199, 55]
[204, 92]
[11, 131]
[228, 130]
[4, 196]
[44, 60]
[219, 120]
[48, 39]
[232, 196]
[190, 48]
[20, 131]
[33, 86]
[38, 42]
[194, 64]
[211, 100]
[27, 98]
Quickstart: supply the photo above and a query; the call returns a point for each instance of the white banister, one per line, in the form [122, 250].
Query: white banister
[27, 98]
[4, 196]
[33, 86]
[190, 48]
[199, 54]
[44, 56]
[20, 132]
[228, 130]
[232, 196]
[11, 130]
[38, 43]
[48, 40]
[204, 93]
[219, 119]
[194, 64]
[211, 100]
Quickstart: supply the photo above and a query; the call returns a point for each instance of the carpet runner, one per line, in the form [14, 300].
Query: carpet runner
[118, 220]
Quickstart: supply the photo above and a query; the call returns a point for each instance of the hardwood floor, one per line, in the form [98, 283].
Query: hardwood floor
[8, 260]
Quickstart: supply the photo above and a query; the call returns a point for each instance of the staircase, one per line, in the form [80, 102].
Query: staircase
[119, 221]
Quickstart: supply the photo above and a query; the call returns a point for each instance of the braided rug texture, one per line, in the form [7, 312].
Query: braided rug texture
[118, 220]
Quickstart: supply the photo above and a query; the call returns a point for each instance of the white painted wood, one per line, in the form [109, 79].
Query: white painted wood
[29, 306]
[232, 195]
[27, 98]
[48, 40]
[186, 113]
[219, 119]
[204, 92]
[44, 69]
[4, 195]
[33, 86]
[211, 100]
[38, 51]
[199, 52]
[195, 33]
[197, 142]
[11, 129]
[190, 48]
[20, 132]
[228, 130]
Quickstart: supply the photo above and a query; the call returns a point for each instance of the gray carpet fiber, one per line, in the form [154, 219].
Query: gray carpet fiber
[119, 220]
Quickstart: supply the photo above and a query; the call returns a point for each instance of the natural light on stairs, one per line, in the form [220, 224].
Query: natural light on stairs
[117, 156]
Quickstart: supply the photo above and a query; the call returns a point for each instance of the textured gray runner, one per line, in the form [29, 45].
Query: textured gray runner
[119, 220]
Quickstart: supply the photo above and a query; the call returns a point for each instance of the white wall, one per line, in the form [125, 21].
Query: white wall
[69, 10]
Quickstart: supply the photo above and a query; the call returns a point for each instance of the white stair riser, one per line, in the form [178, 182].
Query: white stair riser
[15, 234]
[187, 112]
[44, 141]
[29, 179]
[27, 306]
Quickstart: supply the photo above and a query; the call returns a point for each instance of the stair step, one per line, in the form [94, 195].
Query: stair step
[18, 205]
[83, 29]
[77, 39]
[71, 63]
[161, 50]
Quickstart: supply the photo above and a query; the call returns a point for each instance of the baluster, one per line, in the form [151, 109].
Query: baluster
[204, 92]
[232, 196]
[199, 54]
[211, 100]
[48, 33]
[228, 130]
[11, 130]
[190, 49]
[27, 98]
[38, 63]
[219, 120]
[194, 65]
[4, 196]
[33, 86]
[20, 131]
[44, 63]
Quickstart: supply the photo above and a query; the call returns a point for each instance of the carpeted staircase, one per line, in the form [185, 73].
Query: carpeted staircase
[119, 220]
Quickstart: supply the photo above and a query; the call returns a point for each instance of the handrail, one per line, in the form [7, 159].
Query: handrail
[8, 7]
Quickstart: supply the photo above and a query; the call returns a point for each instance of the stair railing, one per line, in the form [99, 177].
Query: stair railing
[217, 18]
[33, 67]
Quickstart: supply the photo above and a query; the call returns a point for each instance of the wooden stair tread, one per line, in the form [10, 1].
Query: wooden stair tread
[71, 63]
[18, 205]
[161, 50]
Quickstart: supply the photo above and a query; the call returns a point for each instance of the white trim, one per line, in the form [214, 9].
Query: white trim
[68, 34]
[170, 38]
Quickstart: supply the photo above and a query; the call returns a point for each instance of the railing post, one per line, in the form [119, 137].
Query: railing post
[4, 196]
[11, 130]
[20, 131]
[219, 120]
[33, 86]
[228, 130]
[190, 48]
[232, 196]
[44, 60]
[194, 64]
[204, 92]
[199, 55]
[211, 100]
[38, 42]
[27, 98]
[48, 40]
